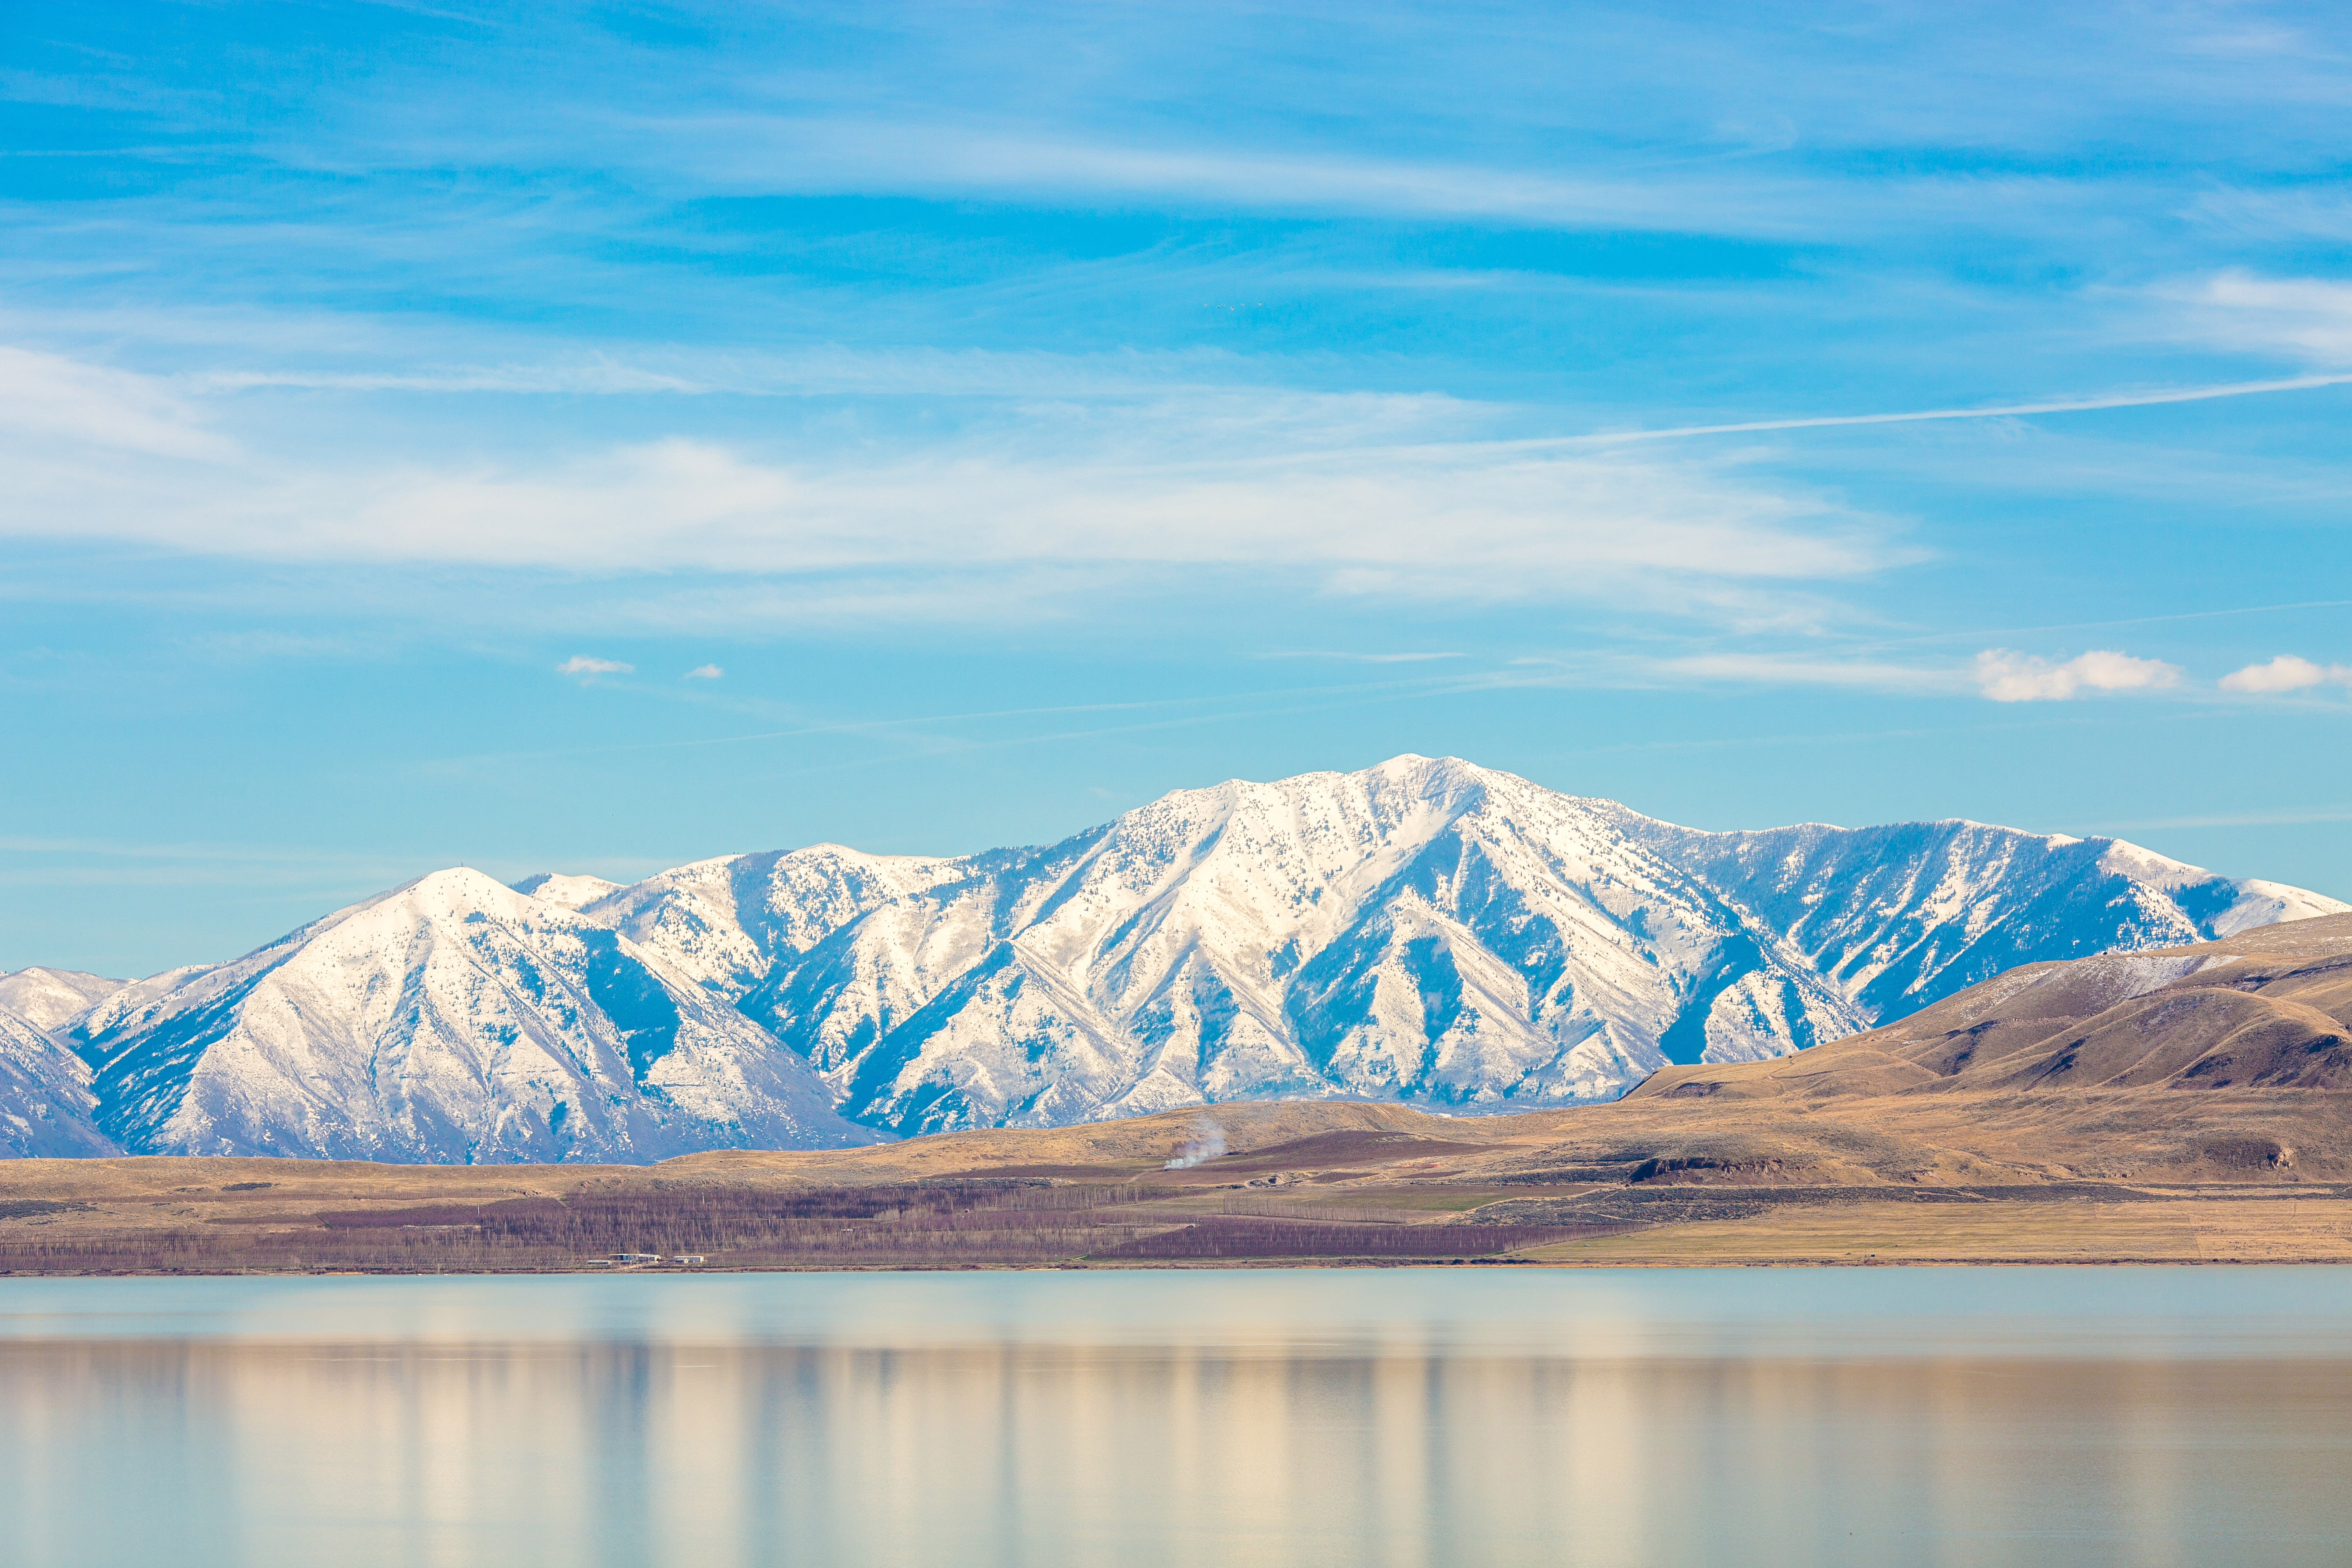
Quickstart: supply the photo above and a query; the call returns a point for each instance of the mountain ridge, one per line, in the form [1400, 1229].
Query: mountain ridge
[928, 1009]
[48, 998]
[449, 1016]
[2263, 1008]
[1425, 931]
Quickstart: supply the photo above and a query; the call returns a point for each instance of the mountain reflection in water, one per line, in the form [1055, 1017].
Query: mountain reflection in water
[1400, 1418]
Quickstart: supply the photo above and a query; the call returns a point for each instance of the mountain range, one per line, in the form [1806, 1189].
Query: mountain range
[1425, 931]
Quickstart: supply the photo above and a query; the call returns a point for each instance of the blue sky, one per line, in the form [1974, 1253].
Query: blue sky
[598, 437]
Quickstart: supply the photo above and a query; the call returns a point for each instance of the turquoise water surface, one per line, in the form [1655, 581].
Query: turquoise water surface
[1326, 1416]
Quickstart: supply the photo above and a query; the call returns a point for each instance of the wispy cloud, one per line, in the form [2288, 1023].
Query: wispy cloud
[703, 672]
[601, 378]
[375, 359]
[748, 149]
[583, 665]
[2298, 213]
[1357, 657]
[45, 398]
[2144, 399]
[1410, 524]
[2308, 318]
[2291, 817]
[1798, 669]
[1345, 491]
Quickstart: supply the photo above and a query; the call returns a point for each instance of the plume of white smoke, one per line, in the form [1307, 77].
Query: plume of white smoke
[1208, 1142]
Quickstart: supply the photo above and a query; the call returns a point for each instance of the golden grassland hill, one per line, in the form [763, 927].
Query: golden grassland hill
[2220, 1060]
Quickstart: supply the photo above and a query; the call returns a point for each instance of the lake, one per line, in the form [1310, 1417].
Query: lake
[1402, 1416]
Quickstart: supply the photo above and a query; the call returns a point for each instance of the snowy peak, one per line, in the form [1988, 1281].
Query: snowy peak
[2261, 903]
[570, 892]
[138, 999]
[1424, 930]
[451, 1020]
[48, 998]
[726, 920]
[1901, 916]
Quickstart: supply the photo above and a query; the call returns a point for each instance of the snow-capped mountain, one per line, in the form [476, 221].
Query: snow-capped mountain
[1903, 916]
[1425, 930]
[45, 1103]
[46, 998]
[570, 892]
[452, 1019]
[725, 922]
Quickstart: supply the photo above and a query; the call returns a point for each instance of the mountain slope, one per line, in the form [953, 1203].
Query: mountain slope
[727, 921]
[1425, 931]
[46, 998]
[45, 1103]
[570, 892]
[453, 1019]
[1899, 916]
[2266, 1008]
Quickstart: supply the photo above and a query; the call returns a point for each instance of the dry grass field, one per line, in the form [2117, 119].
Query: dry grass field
[2206, 1230]
[1657, 1184]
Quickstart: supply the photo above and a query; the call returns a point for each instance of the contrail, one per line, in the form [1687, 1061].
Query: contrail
[2059, 406]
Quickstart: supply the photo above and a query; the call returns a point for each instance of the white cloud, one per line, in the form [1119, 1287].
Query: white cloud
[2295, 213]
[2147, 397]
[639, 371]
[1622, 669]
[47, 399]
[1786, 669]
[961, 158]
[1360, 494]
[703, 672]
[1458, 524]
[2284, 673]
[2007, 676]
[2310, 318]
[597, 378]
[582, 665]
[739, 150]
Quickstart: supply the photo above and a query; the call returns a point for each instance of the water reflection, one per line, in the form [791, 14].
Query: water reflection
[1416, 1446]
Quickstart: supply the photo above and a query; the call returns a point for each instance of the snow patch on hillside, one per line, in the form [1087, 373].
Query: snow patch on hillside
[569, 892]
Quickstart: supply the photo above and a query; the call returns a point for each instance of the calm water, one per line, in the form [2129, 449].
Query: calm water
[1394, 1416]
